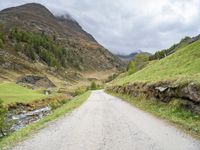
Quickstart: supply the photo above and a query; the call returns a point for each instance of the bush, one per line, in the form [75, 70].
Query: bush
[140, 61]
[3, 118]
[111, 77]
[18, 47]
[131, 67]
[78, 91]
[93, 86]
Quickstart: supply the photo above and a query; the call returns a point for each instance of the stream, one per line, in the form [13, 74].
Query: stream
[25, 118]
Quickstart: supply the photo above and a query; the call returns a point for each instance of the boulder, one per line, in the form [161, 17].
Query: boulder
[36, 81]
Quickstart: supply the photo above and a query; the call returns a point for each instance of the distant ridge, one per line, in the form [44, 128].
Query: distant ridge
[130, 57]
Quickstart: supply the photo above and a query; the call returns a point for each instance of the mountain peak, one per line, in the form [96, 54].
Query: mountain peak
[138, 51]
[28, 5]
[31, 8]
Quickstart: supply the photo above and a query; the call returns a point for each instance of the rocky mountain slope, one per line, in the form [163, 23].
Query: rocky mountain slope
[32, 39]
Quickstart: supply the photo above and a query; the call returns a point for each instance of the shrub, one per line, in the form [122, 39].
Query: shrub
[111, 77]
[18, 47]
[93, 86]
[140, 61]
[78, 91]
[131, 67]
[3, 118]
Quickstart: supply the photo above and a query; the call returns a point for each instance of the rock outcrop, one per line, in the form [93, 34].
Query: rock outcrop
[36, 81]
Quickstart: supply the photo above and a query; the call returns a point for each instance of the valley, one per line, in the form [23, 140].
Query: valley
[62, 89]
[45, 62]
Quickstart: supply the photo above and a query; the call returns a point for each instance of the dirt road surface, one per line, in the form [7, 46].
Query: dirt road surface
[105, 122]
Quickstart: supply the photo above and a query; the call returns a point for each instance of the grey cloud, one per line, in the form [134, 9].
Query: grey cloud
[125, 26]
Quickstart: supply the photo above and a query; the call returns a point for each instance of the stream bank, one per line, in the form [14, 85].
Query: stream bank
[22, 114]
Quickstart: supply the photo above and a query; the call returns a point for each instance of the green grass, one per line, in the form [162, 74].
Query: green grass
[189, 122]
[183, 65]
[20, 135]
[11, 93]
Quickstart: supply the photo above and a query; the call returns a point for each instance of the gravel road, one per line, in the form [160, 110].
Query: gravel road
[105, 122]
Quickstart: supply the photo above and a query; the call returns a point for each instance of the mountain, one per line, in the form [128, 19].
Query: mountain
[130, 57]
[32, 35]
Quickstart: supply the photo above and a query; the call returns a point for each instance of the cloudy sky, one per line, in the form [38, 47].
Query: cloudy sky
[123, 26]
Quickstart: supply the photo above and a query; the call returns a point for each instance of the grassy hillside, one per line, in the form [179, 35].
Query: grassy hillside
[11, 93]
[177, 104]
[181, 66]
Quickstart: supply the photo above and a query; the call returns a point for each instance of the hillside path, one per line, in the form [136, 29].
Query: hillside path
[105, 122]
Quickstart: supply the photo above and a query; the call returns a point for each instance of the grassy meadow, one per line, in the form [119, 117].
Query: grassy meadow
[11, 93]
[183, 65]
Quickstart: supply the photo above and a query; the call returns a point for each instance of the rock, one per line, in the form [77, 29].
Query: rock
[37, 81]
[25, 118]
[164, 91]
[192, 92]
[48, 91]
[161, 89]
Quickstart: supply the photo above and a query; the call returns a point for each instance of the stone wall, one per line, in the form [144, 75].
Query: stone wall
[188, 93]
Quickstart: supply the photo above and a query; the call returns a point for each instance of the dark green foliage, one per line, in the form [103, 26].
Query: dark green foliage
[48, 58]
[18, 47]
[163, 53]
[3, 118]
[29, 51]
[93, 86]
[160, 54]
[41, 45]
[139, 62]
[111, 77]
[58, 104]
[2, 33]
[131, 67]
[79, 91]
